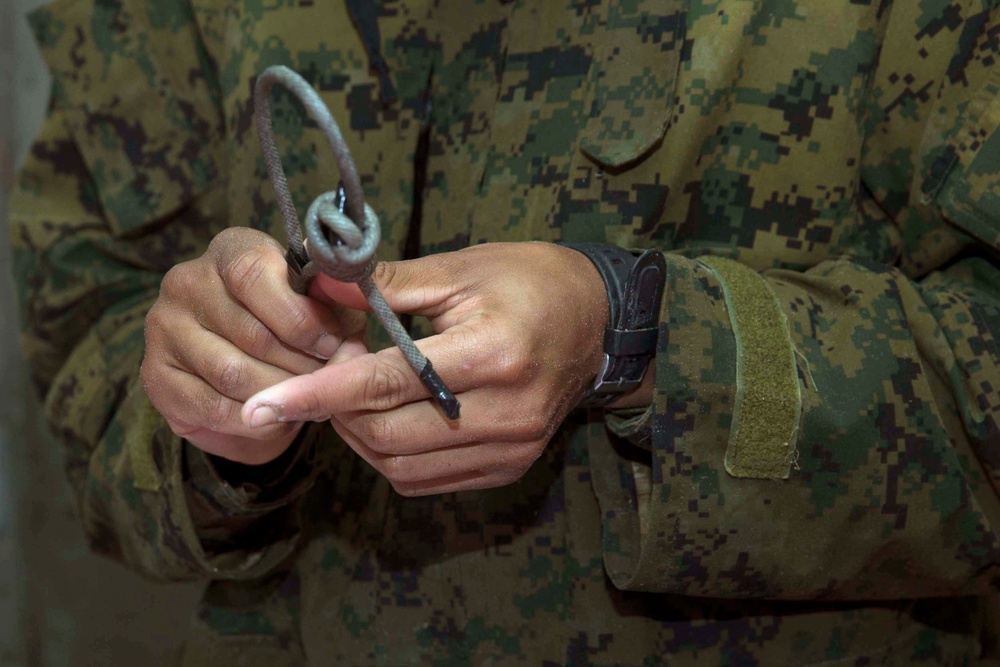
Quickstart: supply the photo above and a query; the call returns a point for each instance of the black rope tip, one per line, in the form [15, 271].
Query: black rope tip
[440, 392]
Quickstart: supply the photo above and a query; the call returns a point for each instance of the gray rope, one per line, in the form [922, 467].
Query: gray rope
[341, 243]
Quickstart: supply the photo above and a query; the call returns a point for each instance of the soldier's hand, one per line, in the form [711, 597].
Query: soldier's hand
[224, 327]
[520, 329]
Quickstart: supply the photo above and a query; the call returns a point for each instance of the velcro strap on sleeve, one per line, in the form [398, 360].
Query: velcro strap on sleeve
[768, 395]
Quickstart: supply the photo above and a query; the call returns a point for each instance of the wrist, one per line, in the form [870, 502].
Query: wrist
[642, 396]
[590, 300]
[634, 284]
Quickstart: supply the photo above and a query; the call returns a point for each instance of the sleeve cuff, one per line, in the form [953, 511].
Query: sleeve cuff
[632, 424]
[244, 489]
[650, 496]
[246, 521]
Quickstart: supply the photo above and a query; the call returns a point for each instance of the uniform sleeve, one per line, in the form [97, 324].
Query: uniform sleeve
[123, 182]
[833, 433]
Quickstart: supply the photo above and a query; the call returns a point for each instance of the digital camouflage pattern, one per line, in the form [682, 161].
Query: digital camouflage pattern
[848, 151]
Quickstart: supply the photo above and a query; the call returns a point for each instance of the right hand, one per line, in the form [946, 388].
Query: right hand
[226, 326]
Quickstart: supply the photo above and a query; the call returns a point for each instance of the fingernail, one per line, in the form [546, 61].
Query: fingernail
[265, 415]
[327, 346]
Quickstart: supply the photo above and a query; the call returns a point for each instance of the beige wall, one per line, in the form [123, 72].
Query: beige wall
[59, 605]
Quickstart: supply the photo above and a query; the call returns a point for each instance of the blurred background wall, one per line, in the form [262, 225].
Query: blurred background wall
[59, 605]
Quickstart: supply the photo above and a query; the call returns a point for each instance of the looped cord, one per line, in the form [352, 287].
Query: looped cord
[342, 246]
[353, 250]
[317, 110]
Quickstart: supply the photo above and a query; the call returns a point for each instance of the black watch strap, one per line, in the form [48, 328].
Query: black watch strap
[635, 283]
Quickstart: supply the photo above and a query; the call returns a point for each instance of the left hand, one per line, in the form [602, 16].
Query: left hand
[519, 335]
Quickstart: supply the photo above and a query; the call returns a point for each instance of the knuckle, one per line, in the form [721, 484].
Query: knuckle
[153, 325]
[224, 238]
[379, 434]
[244, 272]
[299, 330]
[350, 321]
[385, 274]
[177, 280]
[228, 374]
[152, 317]
[233, 239]
[384, 386]
[530, 430]
[389, 278]
[511, 364]
[515, 358]
[400, 470]
[259, 339]
[220, 411]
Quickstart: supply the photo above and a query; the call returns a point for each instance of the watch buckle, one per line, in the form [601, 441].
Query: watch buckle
[603, 385]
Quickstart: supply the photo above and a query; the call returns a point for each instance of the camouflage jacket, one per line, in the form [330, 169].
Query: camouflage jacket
[820, 463]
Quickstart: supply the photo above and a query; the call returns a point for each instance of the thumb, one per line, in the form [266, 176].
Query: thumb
[416, 286]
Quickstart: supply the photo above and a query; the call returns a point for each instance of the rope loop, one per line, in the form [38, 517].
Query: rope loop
[332, 235]
[347, 251]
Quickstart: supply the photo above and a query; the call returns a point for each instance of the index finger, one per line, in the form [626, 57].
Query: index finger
[370, 382]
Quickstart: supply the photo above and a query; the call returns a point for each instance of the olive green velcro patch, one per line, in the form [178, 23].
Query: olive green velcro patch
[145, 475]
[768, 395]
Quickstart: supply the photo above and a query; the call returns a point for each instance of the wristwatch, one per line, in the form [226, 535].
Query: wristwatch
[635, 281]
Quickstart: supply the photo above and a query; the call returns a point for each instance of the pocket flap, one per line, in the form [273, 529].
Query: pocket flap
[633, 79]
[965, 178]
[139, 96]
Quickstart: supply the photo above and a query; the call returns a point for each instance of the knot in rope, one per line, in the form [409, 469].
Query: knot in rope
[341, 248]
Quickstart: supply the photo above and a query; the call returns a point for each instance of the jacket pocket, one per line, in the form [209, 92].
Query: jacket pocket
[633, 80]
[964, 178]
[139, 96]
